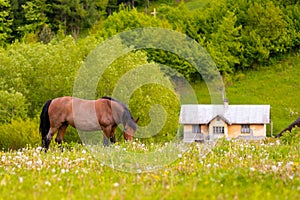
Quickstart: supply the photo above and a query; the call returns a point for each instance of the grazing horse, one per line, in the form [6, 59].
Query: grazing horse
[290, 127]
[103, 114]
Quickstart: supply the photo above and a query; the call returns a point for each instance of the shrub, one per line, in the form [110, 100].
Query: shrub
[12, 105]
[19, 133]
[292, 137]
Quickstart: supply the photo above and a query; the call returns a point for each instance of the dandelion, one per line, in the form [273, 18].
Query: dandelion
[38, 149]
[116, 184]
[274, 168]
[252, 169]
[63, 171]
[47, 183]
[83, 151]
[39, 162]
[179, 155]
[21, 179]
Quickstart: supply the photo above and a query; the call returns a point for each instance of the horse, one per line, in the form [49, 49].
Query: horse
[290, 127]
[104, 114]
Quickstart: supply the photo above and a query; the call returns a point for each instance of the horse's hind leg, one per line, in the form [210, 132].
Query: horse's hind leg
[49, 137]
[61, 133]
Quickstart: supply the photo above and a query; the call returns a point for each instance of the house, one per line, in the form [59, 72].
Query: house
[231, 121]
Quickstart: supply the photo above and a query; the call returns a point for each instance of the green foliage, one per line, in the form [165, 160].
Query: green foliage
[35, 16]
[12, 106]
[225, 46]
[5, 21]
[19, 133]
[41, 72]
[291, 138]
[265, 32]
[127, 19]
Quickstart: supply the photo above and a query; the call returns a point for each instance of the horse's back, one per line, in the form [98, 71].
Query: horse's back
[60, 110]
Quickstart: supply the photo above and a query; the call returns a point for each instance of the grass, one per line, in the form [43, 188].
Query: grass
[234, 169]
[194, 4]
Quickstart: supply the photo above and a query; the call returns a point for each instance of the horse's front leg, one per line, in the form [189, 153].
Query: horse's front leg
[106, 135]
[112, 135]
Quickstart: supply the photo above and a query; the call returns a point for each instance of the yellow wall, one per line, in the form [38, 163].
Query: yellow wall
[231, 131]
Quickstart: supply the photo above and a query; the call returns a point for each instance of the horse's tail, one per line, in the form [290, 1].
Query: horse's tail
[44, 121]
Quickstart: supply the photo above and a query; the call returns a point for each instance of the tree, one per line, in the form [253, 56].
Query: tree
[5, 21]
[35, 15]
[73, 16]
[265, 33]
[225, 45]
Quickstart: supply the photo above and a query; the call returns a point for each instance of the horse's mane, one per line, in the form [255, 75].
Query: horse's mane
[126, 114]
[112, 99]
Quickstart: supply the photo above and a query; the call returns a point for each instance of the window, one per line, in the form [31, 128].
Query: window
[218, 129]
[245, 128]
[196, 128]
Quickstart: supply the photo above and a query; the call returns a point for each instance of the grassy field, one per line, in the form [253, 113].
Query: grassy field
[234, 169]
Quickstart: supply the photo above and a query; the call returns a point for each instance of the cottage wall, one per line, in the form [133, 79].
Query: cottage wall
[234, 130]
[189, 135]
[231, 131]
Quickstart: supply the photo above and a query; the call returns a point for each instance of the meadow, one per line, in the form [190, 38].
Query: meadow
[234, 169]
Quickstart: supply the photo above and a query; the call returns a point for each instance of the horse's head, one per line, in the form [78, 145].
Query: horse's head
[129, 129]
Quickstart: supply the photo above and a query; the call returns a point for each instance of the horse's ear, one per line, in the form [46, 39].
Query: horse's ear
[137, 120]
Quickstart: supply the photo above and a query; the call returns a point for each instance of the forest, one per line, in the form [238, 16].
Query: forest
[44, 43]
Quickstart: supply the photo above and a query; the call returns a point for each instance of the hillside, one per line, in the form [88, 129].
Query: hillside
[277, 85]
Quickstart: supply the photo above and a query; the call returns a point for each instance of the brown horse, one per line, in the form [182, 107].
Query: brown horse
[103, 114]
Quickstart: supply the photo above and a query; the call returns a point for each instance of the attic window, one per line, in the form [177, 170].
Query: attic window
[245, 128]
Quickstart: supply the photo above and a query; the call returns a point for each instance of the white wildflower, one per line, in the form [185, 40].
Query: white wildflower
[21, 179]
[48, 183]
[274, 168]
[116, 184]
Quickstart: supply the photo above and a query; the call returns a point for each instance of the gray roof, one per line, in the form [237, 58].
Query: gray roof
[234, 114]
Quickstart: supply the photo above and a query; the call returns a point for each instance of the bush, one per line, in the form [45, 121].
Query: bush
[292, 137]
[19, 133]
[12, 105]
